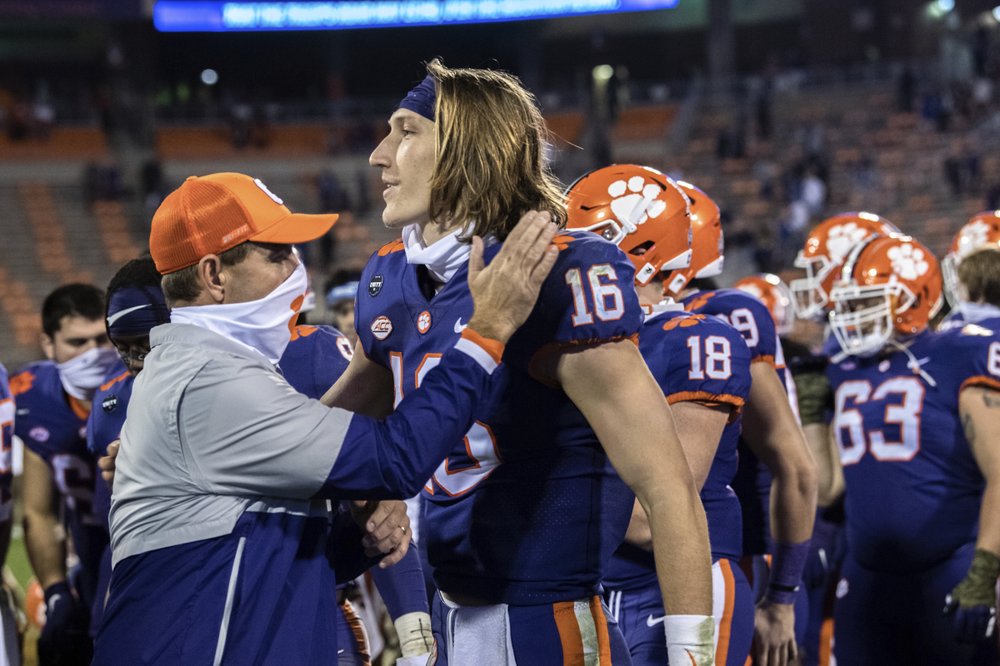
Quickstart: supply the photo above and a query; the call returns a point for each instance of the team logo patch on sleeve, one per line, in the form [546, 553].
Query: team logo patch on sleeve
[382, 327]
[375, 285]
[109, 403]
[424, 321]
[39, 434]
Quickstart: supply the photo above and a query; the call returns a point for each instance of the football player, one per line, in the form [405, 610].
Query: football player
[822, 256]
[916, 423]
[776, 478]
[10, 652]
[53, 399]
[982, 230]
[702, 366]
[521, 519]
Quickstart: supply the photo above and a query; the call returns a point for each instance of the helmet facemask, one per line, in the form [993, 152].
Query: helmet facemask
[811, 298]
[863, 318]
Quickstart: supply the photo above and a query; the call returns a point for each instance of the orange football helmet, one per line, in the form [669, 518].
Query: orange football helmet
[637, 208]
[981, 230]
[825, 249]
[707, 242]
[769, 289]
[889, 286]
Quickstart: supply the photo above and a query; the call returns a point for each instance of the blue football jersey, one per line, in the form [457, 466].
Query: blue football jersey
[54, 426]
[527, 509]
[6, 443]
[695, 358]
[753, 479]
[315, 358]
[107, 415]
[913, 487]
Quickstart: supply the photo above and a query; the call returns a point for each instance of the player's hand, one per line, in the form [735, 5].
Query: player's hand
[972, 604]
[64, 638]
[387, 529]
[504, 293]
[774, 634]
[107, 463]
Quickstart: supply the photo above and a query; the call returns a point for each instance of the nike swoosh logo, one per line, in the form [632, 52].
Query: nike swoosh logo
[653, 621]
[459, 326]
[118, 315]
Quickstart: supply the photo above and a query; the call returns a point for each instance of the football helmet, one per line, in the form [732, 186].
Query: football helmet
[889, 286]
[770, 290]
[981, 230]
[639, 209]
[825, 249]
[707, 242]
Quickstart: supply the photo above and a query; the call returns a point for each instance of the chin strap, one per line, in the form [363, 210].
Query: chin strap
[912, 363]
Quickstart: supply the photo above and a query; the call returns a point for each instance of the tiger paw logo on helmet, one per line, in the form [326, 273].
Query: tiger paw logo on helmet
[842, 238]
[975, 234]
[908, 262]
[630, 194]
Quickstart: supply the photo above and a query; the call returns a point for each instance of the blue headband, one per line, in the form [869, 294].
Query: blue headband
[342, 292]
[421, 98]
[133, 311]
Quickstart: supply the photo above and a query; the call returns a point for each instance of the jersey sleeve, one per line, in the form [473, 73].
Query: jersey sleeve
[380, 280]
[24, 389]
[981, 349]
[588, 298]
[333, 355]
[709, 362]
[753, 320]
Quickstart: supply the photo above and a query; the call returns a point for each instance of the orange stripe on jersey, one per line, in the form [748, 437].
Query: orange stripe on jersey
[492, 347]
[706, 397]
[114, 380]
[21, 382]
[358, 631]
[726, 623]
[980, 380]
[569, 631]
[78, 408]
[825, 657]
[603, 638]
[389, 248]
[763, 358]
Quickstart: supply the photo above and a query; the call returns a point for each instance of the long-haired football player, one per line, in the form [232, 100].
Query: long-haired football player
[521, 519]
[916, 423]
[702, 365]
[981, 231]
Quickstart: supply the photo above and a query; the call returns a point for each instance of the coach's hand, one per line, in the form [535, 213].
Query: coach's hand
[972, 604]
[64, 639]
[387, 529]
[107, 463]
[504, 293]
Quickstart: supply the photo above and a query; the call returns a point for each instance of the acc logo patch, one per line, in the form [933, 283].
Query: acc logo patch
[424, 321]
[39, 434]
[375, 285]
[109, 403]
[381, 327]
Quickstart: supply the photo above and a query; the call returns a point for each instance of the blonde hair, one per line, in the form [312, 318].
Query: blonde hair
[979, 273]
[489, 139]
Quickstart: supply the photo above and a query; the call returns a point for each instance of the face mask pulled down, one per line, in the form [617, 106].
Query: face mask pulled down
[81, 375]
[263, 325]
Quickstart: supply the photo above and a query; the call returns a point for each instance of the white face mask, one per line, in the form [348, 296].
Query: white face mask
[443, 258]
[81, 375]
[263, 325]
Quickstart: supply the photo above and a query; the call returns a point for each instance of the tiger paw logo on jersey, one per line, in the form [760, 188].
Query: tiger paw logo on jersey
[842, 238]
[424, 322]
[381, 327]
[683, 322]
[908, 262]
[630, 195]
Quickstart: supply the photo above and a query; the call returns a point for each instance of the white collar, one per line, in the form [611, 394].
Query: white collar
[442, 258]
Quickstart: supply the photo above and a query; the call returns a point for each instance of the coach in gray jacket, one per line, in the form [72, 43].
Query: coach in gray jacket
[224, 543]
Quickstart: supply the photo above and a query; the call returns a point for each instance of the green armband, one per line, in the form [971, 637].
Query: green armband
[815, 396]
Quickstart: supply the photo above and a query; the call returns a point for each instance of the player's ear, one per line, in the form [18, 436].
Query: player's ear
[48, 345]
